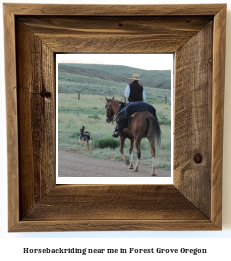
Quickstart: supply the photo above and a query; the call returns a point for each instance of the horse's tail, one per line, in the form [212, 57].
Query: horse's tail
[153, 127]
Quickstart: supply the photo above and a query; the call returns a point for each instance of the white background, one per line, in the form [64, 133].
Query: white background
[217, 243]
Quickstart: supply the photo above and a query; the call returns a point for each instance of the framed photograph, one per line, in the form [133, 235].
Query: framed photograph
[88, 150]
[35, 37]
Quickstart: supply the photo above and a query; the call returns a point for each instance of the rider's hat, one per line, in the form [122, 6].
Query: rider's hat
[135, 76]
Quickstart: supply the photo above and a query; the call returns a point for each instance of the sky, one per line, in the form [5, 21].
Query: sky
[141, 61]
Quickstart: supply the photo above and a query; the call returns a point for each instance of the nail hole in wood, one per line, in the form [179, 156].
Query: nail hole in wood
[198, 158]
[46, 94]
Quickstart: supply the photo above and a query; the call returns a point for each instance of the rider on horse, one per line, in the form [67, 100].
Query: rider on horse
[134, 92]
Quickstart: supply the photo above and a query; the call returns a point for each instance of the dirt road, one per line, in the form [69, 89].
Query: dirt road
[74, 165]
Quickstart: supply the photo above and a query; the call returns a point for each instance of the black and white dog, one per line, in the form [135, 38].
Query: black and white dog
[85, 136]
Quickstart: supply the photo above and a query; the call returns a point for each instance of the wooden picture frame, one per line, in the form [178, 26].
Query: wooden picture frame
[34, 34]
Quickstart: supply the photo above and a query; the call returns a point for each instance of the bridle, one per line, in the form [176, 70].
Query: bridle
[113, 118]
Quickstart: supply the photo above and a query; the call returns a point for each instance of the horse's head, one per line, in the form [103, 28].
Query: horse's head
[111, 109]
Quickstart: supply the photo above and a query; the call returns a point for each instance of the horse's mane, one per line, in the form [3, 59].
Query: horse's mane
[119, 102]
[111, 100]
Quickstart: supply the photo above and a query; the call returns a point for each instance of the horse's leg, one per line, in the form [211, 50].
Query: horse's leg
[122, 139]
[152, 145]
[131, 154]
[138, 154]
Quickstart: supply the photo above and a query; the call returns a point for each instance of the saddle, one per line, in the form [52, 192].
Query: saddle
[137, 107]
[122, 118]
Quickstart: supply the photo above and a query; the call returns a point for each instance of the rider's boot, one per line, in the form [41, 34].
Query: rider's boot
[117, 133]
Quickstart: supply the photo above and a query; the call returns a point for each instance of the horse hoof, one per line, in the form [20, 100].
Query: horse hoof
[135, 170]
[153, 174]
[127, 162]
[130, 167]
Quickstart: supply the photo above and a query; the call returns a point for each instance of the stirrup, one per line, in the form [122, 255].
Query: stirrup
[117, 133]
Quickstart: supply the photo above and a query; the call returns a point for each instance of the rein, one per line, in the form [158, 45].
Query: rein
[112, 120]
[114, 117]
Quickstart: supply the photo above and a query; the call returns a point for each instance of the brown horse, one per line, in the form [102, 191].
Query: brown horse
[141, 125]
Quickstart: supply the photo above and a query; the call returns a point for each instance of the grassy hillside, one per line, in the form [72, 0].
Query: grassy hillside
[108, 79]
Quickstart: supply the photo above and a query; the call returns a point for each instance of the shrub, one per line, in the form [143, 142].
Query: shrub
[108, 142]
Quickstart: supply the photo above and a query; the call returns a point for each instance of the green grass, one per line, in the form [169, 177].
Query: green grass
[90, 112]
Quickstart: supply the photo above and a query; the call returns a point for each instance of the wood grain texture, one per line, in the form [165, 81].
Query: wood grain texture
[193, 126]
[108, 202]
[12, 114]
[36, 105]
[218, 114]
[108, 207]
[115, 34]
[115, 10]
[114, 225]
[194, 201]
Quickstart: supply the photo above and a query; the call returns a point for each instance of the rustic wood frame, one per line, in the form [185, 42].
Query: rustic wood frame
[33, 34]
